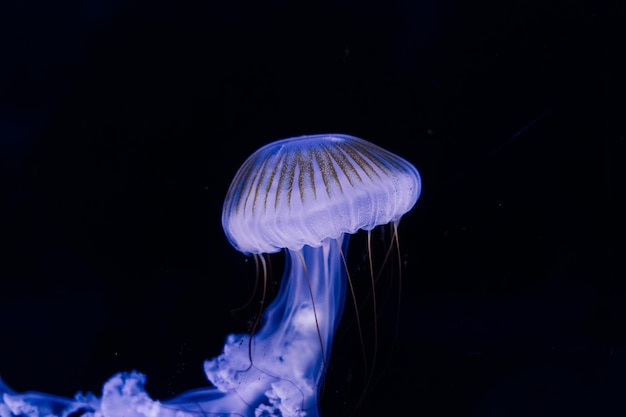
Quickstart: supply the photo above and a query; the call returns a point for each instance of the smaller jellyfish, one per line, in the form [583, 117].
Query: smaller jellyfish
[304, 195]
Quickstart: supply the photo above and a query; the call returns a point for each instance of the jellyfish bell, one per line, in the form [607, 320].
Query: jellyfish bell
[301, 191]
[305, 195]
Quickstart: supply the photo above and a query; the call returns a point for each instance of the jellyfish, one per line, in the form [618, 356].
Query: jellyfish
[305, 196]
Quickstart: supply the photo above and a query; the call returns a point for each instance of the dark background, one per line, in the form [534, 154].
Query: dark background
[123, 122]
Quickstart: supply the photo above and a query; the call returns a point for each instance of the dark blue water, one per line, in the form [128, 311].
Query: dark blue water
[123, 123]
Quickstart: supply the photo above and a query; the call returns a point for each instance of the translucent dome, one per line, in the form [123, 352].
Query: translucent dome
[301, 191]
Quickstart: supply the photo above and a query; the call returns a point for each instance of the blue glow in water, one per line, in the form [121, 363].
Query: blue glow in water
[304, 195]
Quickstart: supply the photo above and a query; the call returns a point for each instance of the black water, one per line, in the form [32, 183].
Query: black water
[122, 124]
